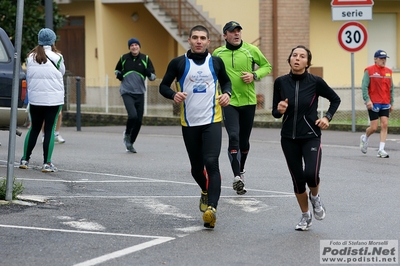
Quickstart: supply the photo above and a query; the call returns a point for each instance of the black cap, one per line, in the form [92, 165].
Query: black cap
[230, 26]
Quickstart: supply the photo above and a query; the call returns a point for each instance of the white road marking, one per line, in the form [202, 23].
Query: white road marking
[81, 224]
[111, 197]
[64, 217]
[123, 252]
[136, 179]
[190, 229]
[395, 140]
[250, 204]
[113, 255]
[159, 208]
[90, 181]
[81, 232]
[85, 225]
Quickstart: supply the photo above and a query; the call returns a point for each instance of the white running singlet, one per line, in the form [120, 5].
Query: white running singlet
[200, 83]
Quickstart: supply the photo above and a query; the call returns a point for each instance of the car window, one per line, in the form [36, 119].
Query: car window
[3, 53]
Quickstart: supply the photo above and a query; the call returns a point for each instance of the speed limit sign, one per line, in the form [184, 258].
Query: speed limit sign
[352, 36]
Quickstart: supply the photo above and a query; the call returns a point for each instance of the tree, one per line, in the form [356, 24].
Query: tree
[33, 21]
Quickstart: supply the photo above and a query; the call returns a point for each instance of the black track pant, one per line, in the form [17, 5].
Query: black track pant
[296, 152]
[203, 145]
[38, 115]
[238, 122]
[134, 105]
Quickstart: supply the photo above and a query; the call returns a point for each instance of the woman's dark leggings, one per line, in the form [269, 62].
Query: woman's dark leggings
[238, 122]
[134, 105]
[39, 115]
[298, 150]
[203, 145]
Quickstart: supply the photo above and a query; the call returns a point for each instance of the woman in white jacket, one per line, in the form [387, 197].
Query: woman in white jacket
[45, 71]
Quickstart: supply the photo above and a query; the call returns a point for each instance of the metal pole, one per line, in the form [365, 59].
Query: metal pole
[49, 14]
[353, 105]
[107, 94]
[78, 103]
[14, 101]
[145, 97]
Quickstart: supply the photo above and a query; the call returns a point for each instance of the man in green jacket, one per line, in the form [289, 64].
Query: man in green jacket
[240, 59]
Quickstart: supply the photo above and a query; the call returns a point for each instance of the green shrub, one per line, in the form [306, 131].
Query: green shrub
[18, 188]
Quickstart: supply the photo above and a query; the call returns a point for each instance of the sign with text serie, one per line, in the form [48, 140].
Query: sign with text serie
[351, 13]
[351, 10]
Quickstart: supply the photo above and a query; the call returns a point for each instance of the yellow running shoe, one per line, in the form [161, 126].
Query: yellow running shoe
[210, 217]
[203, 201]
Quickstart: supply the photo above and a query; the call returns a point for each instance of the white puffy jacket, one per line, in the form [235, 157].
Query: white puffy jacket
[44, 81]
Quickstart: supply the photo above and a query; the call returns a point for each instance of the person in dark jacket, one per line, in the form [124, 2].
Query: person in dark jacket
[132, 69]
[197, 74]
[296, 99]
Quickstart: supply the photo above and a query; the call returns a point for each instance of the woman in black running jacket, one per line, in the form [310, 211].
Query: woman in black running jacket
[296, 98]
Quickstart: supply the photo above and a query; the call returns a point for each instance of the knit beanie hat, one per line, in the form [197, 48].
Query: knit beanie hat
[133, 40]
[46, 37]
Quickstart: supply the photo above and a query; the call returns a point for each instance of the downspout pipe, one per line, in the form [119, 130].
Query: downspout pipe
[275, 66]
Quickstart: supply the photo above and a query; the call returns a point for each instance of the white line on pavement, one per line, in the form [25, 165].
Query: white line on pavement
[113, 255]
[124, 252]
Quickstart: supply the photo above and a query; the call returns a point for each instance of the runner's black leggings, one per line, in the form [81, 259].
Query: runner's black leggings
[134, 105]
[238, 123]
[38, 115]
[298, 150]
[203, 145]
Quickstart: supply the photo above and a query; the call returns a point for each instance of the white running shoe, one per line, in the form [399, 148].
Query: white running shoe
[238, 185]
[305, 222]
[363, 144]
[24, 164]
[318, 208]
[58, 139]
[382, 154]
[49, 167]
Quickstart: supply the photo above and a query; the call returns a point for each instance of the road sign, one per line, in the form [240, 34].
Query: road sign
[352, 36]
[352, 2]
[351, 9]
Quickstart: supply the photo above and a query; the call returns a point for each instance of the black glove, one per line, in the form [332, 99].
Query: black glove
[147, 72]
[119, 75]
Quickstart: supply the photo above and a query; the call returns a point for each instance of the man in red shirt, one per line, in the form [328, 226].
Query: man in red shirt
[377, 91]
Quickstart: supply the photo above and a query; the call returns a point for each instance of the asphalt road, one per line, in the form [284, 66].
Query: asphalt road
[108, 207]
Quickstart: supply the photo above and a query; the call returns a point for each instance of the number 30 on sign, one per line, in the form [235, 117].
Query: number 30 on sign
[352, 36]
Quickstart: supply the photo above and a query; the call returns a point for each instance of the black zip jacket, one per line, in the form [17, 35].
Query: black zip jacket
[302, 92]
[140, 64]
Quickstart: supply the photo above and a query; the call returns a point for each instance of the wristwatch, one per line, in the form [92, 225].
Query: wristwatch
[328, 116]
[254, 76]
[230, 94]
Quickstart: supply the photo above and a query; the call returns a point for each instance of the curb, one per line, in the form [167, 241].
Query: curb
[25, 200]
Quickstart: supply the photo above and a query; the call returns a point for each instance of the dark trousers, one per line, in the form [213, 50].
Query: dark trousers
[238, 123]
[203, 145]
[134, 105]
[39, 115]
[296, 152]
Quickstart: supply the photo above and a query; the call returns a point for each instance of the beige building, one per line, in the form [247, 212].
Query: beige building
[108, 24]
[98, 30]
